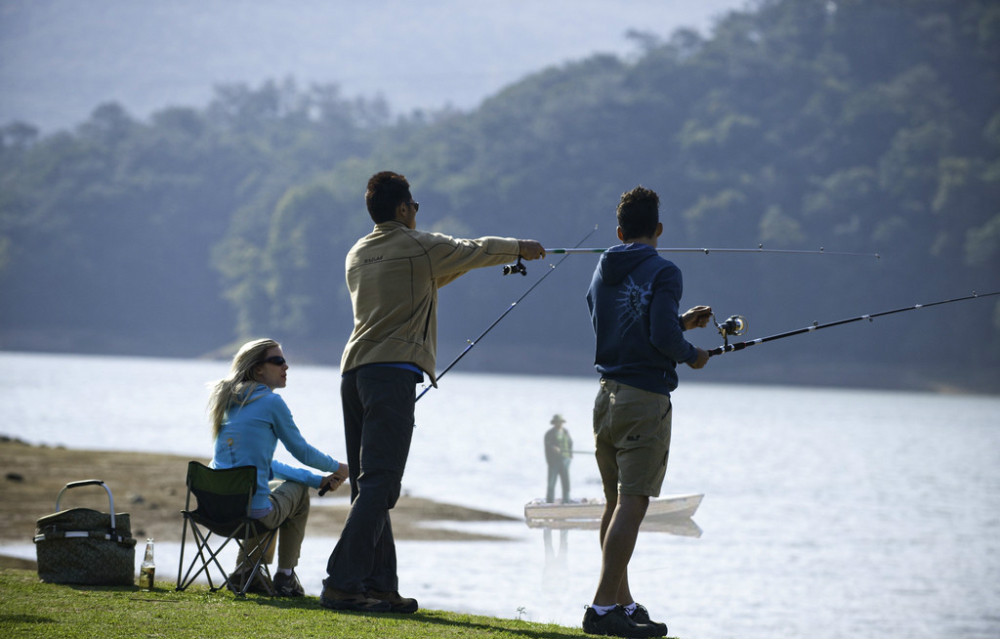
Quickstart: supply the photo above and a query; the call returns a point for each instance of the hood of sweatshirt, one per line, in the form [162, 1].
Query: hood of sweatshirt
[618, 261]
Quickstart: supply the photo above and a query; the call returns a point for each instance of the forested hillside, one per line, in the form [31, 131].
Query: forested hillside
[849, 125]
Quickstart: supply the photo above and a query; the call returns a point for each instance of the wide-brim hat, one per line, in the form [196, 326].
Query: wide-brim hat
[557, 419]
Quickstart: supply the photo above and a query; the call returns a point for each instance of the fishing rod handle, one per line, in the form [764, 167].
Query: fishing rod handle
[729, 348]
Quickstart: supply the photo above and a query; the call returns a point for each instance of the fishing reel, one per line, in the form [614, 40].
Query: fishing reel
[733, 325]
[509, 269]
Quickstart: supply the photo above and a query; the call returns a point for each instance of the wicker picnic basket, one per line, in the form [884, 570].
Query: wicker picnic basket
[85, 546]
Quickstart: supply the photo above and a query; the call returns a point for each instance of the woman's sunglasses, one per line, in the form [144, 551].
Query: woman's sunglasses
[276, 360]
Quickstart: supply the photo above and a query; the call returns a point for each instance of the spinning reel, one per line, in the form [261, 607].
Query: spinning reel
[734, 325]
[508, 269]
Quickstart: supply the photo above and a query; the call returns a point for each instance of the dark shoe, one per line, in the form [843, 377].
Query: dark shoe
[356, 601]
[398, 603]
[641, 616]
[260, 585]
[616, 623]
[288, 585]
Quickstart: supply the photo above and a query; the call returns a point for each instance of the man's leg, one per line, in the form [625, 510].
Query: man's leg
[289, 513]
[353, 423]
[564, 479]
[617, 545]
[632, 433]
[607, 463]
[381, 399]
[619, 528]
[381, 490]
[550, 488]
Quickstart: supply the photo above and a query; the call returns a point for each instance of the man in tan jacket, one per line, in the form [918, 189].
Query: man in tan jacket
[393, 274]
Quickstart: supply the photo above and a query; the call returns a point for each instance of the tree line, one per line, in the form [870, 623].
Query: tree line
[848, 125]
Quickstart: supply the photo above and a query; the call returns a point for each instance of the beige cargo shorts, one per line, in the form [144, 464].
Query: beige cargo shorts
[632, 435]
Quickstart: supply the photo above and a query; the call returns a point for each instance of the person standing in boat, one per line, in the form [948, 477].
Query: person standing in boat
[634, 306]
[393, 275]
[558, 454]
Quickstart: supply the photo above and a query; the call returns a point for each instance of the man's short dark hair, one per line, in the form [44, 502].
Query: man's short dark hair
[386, 191]
[639, 213]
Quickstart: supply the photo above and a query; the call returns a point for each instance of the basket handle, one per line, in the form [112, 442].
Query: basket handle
[90, 482]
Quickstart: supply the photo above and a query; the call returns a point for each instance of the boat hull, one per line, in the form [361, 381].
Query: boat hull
[660, 508]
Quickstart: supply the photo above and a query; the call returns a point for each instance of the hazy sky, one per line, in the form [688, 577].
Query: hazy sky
[61, 58]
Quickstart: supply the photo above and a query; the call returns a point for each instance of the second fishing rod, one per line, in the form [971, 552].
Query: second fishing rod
[737, 324]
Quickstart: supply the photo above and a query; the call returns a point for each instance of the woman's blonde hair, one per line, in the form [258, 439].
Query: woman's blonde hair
[236, 388]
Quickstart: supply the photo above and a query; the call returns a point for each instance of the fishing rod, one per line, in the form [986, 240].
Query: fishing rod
[760, 249]
[737, 325]
[507, 270]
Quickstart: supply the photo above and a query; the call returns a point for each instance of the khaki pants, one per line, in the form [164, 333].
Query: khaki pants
[289, 513]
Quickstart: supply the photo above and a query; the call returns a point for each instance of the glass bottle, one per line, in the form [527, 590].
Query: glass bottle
[147, 570]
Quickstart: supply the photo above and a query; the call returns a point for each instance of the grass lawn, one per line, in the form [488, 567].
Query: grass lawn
[30, 608]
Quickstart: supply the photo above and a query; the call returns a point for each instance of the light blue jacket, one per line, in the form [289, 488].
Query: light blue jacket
[249, 436]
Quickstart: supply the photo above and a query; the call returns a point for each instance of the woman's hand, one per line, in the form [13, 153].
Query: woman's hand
[334, 480]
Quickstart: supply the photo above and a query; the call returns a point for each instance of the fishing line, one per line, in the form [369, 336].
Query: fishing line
[507, 270]
[737, 322]
[760, 249]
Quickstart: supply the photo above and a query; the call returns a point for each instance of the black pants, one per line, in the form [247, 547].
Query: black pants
[378, 406]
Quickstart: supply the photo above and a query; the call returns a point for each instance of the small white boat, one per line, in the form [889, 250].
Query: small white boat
[661, 509]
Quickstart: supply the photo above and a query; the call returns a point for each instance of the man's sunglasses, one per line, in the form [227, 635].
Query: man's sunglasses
[415, 205]
[277, 361]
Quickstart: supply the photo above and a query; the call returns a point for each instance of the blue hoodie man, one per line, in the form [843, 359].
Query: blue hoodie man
[634, 300]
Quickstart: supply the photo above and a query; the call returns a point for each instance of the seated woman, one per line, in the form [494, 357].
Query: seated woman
[248, 419]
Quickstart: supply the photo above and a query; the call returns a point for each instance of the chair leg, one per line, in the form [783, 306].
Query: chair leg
[204, 557]
[213, 558]
[200, 542]
[180, 563]
[259, 566]
[203, 547]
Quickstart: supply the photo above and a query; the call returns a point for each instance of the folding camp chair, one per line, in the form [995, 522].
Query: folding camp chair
[224, 500]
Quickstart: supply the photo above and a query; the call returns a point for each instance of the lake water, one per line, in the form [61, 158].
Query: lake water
[827, 513]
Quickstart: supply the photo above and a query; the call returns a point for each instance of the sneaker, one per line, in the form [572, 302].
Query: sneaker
[616, 623]
[288, 585]
[260, 585]
[341, 600]
[641, 616]
[397, 603]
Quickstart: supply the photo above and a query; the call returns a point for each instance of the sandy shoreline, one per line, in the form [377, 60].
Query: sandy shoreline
[150, 487]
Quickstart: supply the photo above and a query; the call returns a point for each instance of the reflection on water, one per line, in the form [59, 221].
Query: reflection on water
[556, 559]
[681, 526]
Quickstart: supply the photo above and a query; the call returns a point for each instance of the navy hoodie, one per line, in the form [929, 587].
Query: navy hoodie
[634, 299]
